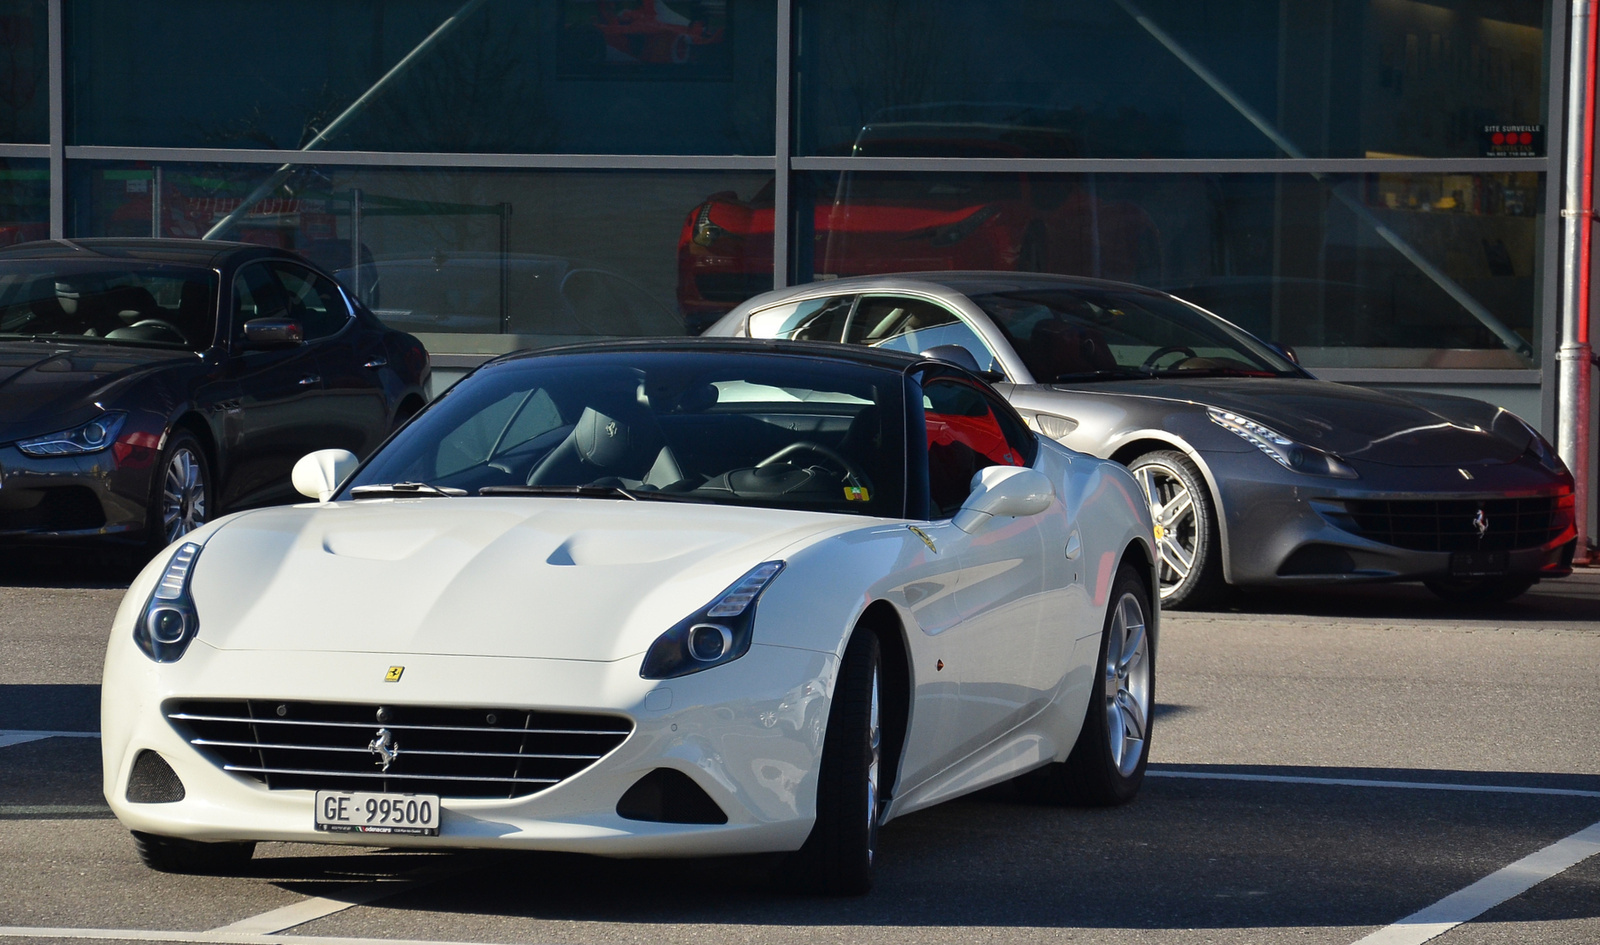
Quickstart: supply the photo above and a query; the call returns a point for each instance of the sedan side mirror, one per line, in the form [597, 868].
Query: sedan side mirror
[273, 333]
[1004, 490]
[1284, 350]
[318, 475]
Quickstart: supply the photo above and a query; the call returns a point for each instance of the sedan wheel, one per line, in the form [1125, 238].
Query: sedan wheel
[1185, 527]
[182, 491]
[837, 859]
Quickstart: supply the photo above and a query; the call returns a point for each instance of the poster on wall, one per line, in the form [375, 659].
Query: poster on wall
[632, 39]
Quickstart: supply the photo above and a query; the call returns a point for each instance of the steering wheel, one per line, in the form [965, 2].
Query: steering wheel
[1163, 351]
[806, 446]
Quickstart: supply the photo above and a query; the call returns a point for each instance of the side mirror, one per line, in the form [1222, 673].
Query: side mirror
[273, 333]
[1284, 350]
[954, 354]
[1004, 490]
[318, 475]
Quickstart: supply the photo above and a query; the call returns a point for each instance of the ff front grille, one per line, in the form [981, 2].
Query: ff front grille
[411, 749]
[1454, 524]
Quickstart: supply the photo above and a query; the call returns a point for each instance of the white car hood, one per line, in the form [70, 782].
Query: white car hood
[554, 578]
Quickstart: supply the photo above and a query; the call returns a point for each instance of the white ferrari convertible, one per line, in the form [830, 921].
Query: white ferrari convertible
[645, 599]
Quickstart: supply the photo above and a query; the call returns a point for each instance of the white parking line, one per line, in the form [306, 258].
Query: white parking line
[1491, 891]
[309, 910]
[9, 737]
[1365, 783]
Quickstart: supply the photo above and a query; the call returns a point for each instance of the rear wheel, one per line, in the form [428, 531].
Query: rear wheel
[1107, 763]
[1187, 537]
[174, 855]
[837, 859]
[1484, 590]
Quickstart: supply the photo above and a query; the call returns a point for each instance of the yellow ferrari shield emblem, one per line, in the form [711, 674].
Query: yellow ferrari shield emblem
[1160, 533]
[393, 675]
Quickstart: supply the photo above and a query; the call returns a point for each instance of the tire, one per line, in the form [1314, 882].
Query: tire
[1485, 590]
[172, 855]
[1188, 539]
[1107, 763]
[838, 857]
[181, 491]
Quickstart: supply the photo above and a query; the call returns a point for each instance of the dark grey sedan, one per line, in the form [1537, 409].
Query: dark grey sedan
[1256, 473]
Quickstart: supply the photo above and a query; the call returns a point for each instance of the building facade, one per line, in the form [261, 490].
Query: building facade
[1374, 183]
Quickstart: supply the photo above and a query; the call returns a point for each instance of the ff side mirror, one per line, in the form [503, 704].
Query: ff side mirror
[318, 475]
[1004, 490]
[273, 333]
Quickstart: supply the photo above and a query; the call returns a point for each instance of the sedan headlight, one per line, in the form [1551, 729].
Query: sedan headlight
[715, 634]
[1284, 451]
[91, 437]
[169, 620]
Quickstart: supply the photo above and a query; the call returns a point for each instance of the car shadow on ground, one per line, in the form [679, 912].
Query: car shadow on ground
[110, 567]
[1574, 599]
[1188, 854]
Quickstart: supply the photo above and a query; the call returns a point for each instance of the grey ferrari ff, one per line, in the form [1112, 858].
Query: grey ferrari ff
[1257, 474]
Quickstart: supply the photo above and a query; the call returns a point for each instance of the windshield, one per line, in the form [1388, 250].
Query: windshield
[118, 302]
[1091, 334]
[737, 428]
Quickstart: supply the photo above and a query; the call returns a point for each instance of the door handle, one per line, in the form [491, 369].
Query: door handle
[310, 379]
[377, 362]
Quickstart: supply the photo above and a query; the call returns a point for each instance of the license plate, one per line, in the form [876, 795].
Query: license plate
[1478, 564]
[369, 812]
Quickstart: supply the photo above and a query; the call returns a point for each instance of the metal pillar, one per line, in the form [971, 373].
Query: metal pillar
[1574, 360]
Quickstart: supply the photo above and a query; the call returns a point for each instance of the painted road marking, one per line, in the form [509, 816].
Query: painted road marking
[309, 910]
[1491, 891]
[9, 737]
[51, 810]
[1360, 782]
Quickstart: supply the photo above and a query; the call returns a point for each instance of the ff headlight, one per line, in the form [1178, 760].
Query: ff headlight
[956, 232]
[706, 232]
[1286, 452]
[1540, 449]
[91, 437]
[169, 620]
[715, 634]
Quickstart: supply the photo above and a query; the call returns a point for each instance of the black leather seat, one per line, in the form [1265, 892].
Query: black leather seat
[612, 444]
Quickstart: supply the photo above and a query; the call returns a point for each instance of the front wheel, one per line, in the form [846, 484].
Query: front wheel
[837, 859]
[1186, 532]
[1484, 590]
[181, 494]
[1107, 763]
[175, 855]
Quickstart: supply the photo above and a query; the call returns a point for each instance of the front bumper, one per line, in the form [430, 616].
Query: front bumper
[1284, 528]
[746, 733]
[67, 498]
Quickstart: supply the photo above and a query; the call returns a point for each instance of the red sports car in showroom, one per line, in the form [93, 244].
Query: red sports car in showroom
[897, 221]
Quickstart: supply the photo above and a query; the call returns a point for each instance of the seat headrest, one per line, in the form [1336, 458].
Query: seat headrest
[604, 440]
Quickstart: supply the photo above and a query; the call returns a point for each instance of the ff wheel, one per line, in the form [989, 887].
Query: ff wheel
[1185, 520]
[1108, 760]
[172, 855]
[182, 490]
[1485, 590]
[837, 859]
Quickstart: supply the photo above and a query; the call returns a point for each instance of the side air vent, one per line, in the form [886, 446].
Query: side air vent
[666, 796]
[152, 780]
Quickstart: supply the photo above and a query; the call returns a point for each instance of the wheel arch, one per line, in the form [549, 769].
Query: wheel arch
[1149, 442]
[192, 422]
[881, 620]
[1140, 556]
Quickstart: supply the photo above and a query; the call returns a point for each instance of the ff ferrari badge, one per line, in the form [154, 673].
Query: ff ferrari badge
[393, 675]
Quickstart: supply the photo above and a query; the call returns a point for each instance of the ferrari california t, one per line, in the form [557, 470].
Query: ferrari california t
[645, 599]
[1256, 473]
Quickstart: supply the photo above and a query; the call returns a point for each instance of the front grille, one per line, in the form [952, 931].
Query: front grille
[1449, 525]
[57, 509]
[446, 751]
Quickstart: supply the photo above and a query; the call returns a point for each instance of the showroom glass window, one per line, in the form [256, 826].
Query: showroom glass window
[24, 72]
[554, 76]
[1346, 78]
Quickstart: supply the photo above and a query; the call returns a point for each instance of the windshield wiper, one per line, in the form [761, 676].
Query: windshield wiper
[589, 491]
[405, 488]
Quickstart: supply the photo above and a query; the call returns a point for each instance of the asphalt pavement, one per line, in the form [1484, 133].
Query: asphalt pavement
[1330, 766]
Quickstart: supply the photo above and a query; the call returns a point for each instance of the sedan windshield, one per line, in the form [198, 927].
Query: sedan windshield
[120, 302]
[745, 428]
[1077, 334]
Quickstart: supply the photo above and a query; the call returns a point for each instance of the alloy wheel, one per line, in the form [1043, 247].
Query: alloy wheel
[1177, 528]
[1127, 684]
[183, 496]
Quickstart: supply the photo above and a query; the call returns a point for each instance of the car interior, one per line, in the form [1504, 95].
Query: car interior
[147, 308]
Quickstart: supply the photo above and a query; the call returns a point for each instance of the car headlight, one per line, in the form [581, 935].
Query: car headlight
[1286, 452]
[715, 634]
[169, 621]
[1540, 449]
[956, 232]
[706, 232]
[91, 437]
